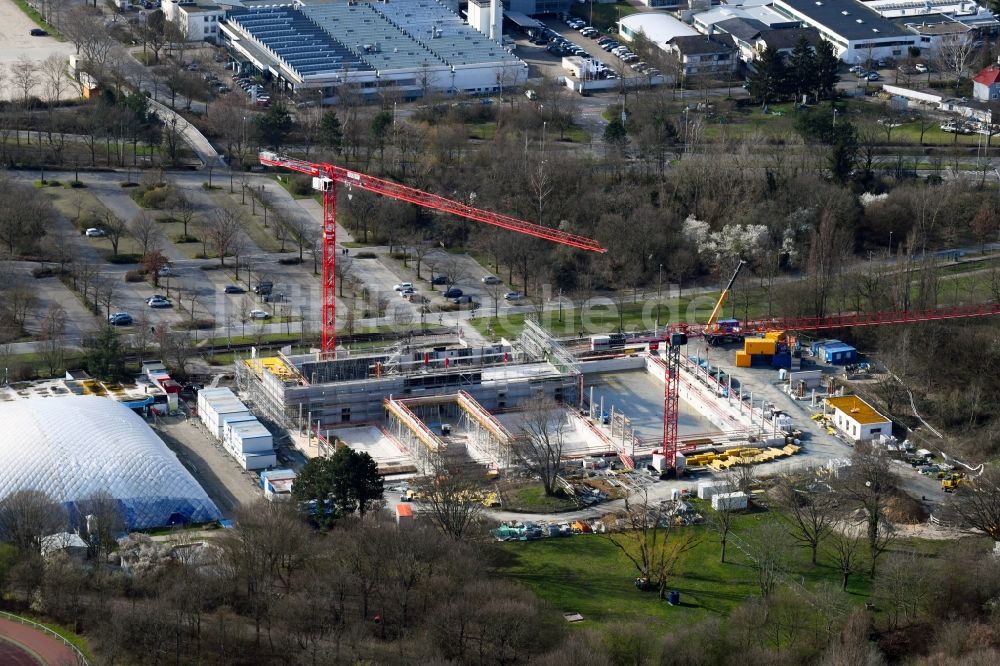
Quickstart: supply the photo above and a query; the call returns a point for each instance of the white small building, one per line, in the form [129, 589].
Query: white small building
[69, 543]
[730, 501]
[197, 22]
[277, 484]
[856, 418]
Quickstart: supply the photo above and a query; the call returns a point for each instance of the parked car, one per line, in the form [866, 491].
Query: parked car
[94, 232]
[260, 314]
[274, 297]
[167, 271]
[233, 289]
[403, 285]
[159, 302]
[454, 292]
[873, 76]
[513, 296]
[921, 67]
[491, 279]
[439, 279]
[38, 32]
[408, 292]
[459, 300]
[263, 287]
[120, 319]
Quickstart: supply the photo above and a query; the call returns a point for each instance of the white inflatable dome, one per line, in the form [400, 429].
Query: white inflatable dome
[75, 446]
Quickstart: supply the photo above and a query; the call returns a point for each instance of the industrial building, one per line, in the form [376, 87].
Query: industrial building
[412, 47]
[856, 32]
[74, 446]
[857, 419]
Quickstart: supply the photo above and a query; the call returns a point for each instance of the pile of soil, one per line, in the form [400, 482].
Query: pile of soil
[904, 510]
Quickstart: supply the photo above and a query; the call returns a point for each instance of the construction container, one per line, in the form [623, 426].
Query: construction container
[777, 336]
[759, 346]
[708, 489]
[782, 360]
[729, 501]
[404, 514]
[760, 360]
[742, 360]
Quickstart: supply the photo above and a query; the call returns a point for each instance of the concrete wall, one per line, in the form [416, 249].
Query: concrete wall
[614, 364]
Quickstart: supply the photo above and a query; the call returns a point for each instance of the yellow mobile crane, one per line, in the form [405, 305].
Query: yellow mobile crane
[727, 330]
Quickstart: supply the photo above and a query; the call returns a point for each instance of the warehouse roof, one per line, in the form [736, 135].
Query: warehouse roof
[658, 28]
[73, 447]
[851, 20]
[857, 409]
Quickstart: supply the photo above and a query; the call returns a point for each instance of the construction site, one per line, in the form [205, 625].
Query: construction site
[654, 402]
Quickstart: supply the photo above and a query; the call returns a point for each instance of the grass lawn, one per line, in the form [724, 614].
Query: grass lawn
[589, 575]
[286, 182]
[533, 499]
[75, 639]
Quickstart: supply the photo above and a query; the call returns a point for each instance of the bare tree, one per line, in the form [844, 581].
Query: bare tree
[221, 230]
[53, 332]
[103, 521]
[767, 557]
[540, 445]
[869, 484]
[846, 548]
[976, 503]
[176, 348]
[450, 499]
[146, 231]
[184, 212]
[28, 515]
[721, 522]
[809, 508]
[24, 77]
[954, 53]
[644, 533]
[114, 227]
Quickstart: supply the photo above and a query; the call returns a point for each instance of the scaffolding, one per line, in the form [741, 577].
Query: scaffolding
[486, 434]
[420, 443]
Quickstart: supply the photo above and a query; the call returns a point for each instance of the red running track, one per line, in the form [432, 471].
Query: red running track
[22, 645]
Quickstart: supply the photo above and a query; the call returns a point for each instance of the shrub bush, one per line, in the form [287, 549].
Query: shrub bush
[199, 324]
[75, 185]
[365, 255]
[155, 198]
[289, 261]
[181, 238]
[135, 275]
[48, 271]
[124, 258]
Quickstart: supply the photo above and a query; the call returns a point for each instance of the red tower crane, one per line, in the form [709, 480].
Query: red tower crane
[678, 336]
[325, 178]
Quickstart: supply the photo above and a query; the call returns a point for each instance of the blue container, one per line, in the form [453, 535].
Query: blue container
[673, 597]
[760, 360]
[782, 360]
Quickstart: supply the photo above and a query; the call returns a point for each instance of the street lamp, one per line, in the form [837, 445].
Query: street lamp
[544, 125]
[890, 243]
[560, 304]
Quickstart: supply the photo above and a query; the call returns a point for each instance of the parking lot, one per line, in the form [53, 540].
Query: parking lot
[16, 42]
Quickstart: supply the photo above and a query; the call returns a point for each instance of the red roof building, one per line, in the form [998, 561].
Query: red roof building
[986, 85]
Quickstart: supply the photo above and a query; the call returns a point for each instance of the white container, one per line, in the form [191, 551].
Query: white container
[729, 501]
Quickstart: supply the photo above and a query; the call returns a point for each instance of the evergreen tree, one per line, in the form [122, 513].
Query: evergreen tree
[615, 134]
[339, 485]
[768, 82]
[274, 126]
[104, 356]
[331, 135]
[802, 69]
[825, 68]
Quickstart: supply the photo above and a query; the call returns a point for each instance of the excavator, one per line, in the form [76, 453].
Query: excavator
[717, 332]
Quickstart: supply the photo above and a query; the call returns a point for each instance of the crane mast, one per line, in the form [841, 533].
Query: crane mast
[325, 178]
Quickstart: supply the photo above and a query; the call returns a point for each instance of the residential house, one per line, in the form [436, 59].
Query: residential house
[986, 84]
[703, 55]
